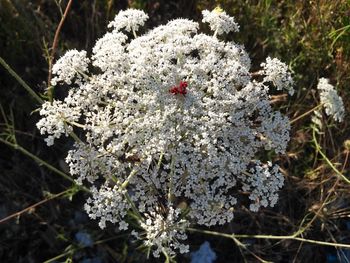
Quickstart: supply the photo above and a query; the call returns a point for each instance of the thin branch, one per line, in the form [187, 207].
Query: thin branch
[21, 81]
[33, 206]
[290, 237]
[74, 249]
[54, 46]
[42, 162]
[306, 113]
[319, 149]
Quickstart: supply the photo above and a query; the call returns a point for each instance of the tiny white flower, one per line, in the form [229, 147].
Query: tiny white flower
[263, 183]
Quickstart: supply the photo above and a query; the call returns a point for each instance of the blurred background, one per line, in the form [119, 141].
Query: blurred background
[312, 37]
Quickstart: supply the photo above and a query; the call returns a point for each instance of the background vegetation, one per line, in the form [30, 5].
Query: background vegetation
[312, 36]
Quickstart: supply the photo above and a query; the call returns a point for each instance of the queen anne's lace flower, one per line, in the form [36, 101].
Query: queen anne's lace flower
[170, 118]
[330, 99]
[108, 51]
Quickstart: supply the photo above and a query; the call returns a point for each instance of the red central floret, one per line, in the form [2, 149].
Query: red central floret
[180, 89]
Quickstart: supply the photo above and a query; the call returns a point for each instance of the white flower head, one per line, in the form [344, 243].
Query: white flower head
[330, 99]
[173, 117]
[219, 21]
[70, 65]
[130, 20]
[278, 73]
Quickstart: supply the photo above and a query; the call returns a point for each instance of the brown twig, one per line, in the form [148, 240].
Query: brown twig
[33, 206]
[346, 161]
[54, 46]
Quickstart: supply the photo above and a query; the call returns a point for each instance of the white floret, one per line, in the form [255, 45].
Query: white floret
[55, 121]
[108, 205]
[278, 73]
[164, 233]
[220, 22]
[70, 66]
[130, 20]
[263, 183]
[330, 99]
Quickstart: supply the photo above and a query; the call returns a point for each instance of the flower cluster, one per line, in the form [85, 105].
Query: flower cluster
[219, 21]
[171, 126]
[73, 66]
[56, 118]
[108, 204]
[330, 99]
[164, 233]
[130, 20]
[277, 72]
[180, 89]
[263, 183]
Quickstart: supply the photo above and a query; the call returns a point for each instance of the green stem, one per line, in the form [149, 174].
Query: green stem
[75, 137]
[128, 199]
[60, 256]
[21, 81]
[171, 183]
[126, 195]
[215, 33]
[76, 124]
[41, 162]
[319, 149]
[126, 182]
[133, 207]
[167, 258]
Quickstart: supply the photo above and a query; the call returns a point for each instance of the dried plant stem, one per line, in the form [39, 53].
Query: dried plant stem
[21, 81]
[345, 161]
[77, 248]
[53, 49]
[306, 113]
[290, 237]
[33, 206]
